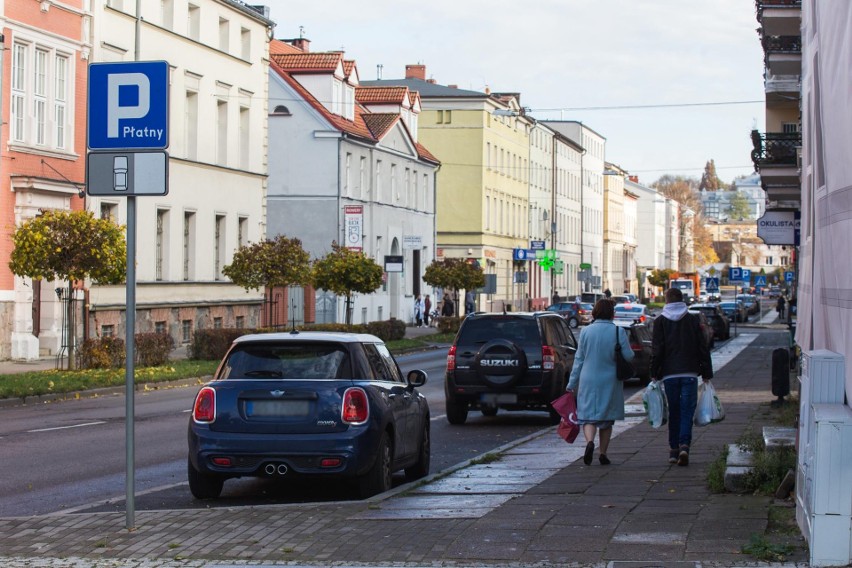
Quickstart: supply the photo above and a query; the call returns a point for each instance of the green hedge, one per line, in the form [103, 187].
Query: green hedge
[448, 324]
[152, 350]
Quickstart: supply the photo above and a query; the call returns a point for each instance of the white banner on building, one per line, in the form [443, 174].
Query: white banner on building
[353, 225]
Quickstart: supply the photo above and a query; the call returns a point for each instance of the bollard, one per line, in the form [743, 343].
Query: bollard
[780, 374]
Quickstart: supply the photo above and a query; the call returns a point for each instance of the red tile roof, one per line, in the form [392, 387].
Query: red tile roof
[308, 62]
[393, 95]
[278, 47]
[380, 123]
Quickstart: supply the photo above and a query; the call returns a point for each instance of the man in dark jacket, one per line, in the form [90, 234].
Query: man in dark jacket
[680, 354]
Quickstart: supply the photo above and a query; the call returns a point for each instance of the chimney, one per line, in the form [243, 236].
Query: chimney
[634, 179]
[301, 43]
[453, 86]
[415, 72]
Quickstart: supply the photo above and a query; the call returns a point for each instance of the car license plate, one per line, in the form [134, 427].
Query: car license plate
[277, 407]
[498, 398]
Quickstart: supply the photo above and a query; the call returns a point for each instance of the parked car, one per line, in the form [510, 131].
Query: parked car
[576, 314]
[735, 310]
[716, 318]
[308, 404]
[751, 303]
[508, 361]
[631, 312]
[641, 338]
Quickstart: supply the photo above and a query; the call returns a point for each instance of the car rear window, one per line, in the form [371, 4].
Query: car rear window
[629, 309]
[294, 361]
[483, 330]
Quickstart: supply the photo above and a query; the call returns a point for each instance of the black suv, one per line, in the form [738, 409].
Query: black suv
[518, 361]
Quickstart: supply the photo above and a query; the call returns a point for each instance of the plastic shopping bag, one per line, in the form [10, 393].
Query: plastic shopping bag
[566, 406]
[654, 400]
[709, 408]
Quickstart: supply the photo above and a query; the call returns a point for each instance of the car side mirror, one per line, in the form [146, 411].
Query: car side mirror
[416, 378]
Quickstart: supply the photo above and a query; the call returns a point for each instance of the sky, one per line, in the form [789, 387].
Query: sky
[681, 58]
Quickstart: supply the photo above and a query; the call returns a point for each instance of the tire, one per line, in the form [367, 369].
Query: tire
[573, 323]
[378, 478]
[456, 412]
[421, 469]
[553, 416]
[489, 410]
[203, 486]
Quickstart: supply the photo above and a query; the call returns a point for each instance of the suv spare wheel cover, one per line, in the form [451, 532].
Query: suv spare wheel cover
[500, 363]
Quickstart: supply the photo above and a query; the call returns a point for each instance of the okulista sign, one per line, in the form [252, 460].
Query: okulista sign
[779, 227]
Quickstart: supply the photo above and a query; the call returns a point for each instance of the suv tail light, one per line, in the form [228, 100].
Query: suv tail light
[204, 409]
[547, 357]
[356, 406]
[451, 359]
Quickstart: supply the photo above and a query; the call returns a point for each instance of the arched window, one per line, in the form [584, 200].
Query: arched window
[282, 110]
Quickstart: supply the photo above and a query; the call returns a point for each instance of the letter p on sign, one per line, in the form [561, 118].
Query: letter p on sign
[115, 110]
[128, 106]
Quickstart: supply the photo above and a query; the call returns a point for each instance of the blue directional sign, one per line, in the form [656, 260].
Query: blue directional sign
[735, 274]
[788, 276]
[523, 254]
[760, 280]
[711, 284]
[128, 106]
[537, 245]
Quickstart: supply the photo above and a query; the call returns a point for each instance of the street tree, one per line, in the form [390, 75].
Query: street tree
[280, 261]
[699, 249]
[454, 274]
[660, 277]
[70, 246]
[344, 271]
[703, 243]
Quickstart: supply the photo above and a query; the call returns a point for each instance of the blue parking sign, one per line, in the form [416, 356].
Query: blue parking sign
[735, 274]
[788, 276]
[128, 106]
[746, 275]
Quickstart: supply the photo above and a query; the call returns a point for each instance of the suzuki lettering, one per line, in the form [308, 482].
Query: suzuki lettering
[128, 105]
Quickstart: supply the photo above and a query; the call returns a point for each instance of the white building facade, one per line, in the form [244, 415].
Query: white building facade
[217, 53]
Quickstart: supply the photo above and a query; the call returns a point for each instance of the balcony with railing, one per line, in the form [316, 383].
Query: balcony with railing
[776, 158]
[782, 54]
[779, 17]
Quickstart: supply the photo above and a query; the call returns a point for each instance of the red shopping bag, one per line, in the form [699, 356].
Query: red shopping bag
[566, 406]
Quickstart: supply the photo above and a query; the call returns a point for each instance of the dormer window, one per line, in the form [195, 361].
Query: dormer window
[281, 110]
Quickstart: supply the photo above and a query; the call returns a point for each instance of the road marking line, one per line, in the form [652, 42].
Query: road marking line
[66, 427]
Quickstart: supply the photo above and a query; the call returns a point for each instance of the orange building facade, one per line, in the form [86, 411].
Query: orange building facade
[42, 154]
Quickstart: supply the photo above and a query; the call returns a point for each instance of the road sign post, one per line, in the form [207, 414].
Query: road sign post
[128, 117]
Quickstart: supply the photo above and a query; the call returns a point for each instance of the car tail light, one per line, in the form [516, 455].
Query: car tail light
[451, 359]
[330, 462]
[642, 319]
[356, 406]
[222, 461]
[547, 358]
[204, 409]
[637, 347]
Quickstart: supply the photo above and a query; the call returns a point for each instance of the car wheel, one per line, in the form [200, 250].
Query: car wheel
[378, 478]
[489, 410]
[203, 486]
[553, 416]
[456, 412]
[573, 323]
[421, 468]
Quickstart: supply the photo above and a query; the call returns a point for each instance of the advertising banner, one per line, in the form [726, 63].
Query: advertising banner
[353, 226]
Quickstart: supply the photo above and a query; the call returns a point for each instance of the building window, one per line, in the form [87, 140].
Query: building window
[159, 327]
[222, 132]
[188, 245]
[394, 186]
[191, 125]
[406, 186]
[242, 232]
[217, 323]
[245, 136]
[186, 331]
[362, 176]
[347, 176]
[167, 13]
[193, 24]
[161, 242]
[240, 322]
[790, 127]
[224, 33]
[109, 211]
[219, 245]
[245, 43]
[60, 88]
[378, 181]
[40, 96]
[107, 331]
[769, 260]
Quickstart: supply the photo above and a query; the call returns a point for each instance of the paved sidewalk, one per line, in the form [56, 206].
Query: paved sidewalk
[538, 505]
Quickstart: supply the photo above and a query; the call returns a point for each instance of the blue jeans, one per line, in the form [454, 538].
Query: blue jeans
[682, 396]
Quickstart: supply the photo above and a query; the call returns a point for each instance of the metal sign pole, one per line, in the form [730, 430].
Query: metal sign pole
[130, 367]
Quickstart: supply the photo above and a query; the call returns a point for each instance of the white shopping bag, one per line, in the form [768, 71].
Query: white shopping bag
[709, 408]
[655, 403]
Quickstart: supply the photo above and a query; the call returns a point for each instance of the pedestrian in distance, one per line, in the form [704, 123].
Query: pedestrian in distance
[427, 309]
[469, 302]
[418, 311]
[600, 395]
[679, 355]
[780, 306]
[555, 297]
[448, 309]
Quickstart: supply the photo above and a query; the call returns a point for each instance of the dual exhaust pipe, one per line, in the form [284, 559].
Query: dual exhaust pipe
[275, 469]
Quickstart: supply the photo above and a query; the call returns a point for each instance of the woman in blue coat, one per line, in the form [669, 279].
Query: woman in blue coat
[600, 396]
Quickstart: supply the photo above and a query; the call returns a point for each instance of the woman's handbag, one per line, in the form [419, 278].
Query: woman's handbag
[709, 408]
[566, 406]
[656, 405]
[623, 367]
